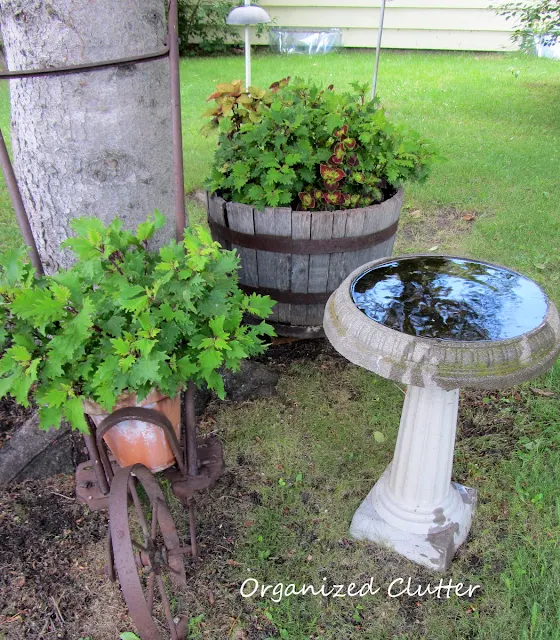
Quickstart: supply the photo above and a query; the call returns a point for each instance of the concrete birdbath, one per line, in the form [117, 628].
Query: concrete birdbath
[437, 324]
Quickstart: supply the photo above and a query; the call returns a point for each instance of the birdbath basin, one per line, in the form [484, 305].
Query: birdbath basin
[437, 324]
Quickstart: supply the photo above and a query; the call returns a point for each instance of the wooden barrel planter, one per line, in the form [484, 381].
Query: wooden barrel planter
[299, 258]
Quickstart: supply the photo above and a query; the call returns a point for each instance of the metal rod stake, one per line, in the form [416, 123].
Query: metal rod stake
[177, 135]
[17, 203]
[247, 58]
[378, 49]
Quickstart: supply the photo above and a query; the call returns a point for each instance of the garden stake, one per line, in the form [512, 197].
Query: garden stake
[17, 203]
[378, 49]
[177, 135]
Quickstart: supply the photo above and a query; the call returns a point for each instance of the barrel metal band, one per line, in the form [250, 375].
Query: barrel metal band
[285, 244]
[288, 297]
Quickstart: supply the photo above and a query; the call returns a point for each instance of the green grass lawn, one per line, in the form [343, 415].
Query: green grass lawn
[300, 464]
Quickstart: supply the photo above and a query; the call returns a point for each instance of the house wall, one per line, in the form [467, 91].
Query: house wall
[409, 24]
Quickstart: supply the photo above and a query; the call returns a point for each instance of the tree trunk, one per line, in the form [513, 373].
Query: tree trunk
[95, 143]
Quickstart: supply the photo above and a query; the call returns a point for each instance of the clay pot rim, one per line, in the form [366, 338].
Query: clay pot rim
[124, 400]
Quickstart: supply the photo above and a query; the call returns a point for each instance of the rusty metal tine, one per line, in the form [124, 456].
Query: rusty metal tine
[192, 528]
[190, 427]
[154, 519]
[104, 457]
[93, 452]
[184, 425]
[139, 511]
[17, 203]
[151, 585]
[109, 559]
[166, 608]
[138, 546]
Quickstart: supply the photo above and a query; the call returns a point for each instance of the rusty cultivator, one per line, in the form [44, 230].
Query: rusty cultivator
[144, 550]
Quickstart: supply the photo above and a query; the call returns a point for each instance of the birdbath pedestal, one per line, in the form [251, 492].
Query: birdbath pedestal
[437, 324]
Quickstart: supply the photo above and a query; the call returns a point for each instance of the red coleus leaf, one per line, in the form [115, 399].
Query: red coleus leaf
[331, 186]
[350, 143]
[339, 150]
[334, 159]
[331, 174]
[317, 193]
[334, 197]
[353, 160]
[340, 133]
[307, 200]
[281, 83]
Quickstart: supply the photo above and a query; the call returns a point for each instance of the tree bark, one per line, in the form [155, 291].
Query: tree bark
[96, 143]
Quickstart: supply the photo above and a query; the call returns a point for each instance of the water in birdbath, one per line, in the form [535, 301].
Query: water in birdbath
[450, 299]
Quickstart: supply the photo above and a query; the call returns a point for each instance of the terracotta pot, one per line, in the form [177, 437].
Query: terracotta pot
[135, 441]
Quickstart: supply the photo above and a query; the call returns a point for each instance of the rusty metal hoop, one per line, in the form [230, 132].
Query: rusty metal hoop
[143, 414]
[132, 557]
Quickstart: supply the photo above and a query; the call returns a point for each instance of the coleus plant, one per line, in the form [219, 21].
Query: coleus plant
[238, 104]
[123, 319]
[311, 148]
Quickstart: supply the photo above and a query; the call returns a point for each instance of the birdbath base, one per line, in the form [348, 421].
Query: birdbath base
[414, 508]
[436, 324]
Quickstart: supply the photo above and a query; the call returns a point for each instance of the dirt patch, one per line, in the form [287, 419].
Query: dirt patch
[282, 353]
[47, 583]
[444, 228]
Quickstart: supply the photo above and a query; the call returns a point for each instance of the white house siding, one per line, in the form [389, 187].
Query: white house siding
[409, 24]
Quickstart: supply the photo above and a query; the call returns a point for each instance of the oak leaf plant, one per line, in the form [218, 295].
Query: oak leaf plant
[123, 319]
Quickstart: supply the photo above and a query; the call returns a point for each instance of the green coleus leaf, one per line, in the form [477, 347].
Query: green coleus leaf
[292, 158]
[129, 291]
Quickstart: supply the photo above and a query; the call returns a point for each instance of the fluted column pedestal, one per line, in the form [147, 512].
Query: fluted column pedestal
[414, 508]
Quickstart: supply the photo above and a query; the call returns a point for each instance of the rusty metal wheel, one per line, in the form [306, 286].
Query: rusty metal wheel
[147, 552]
